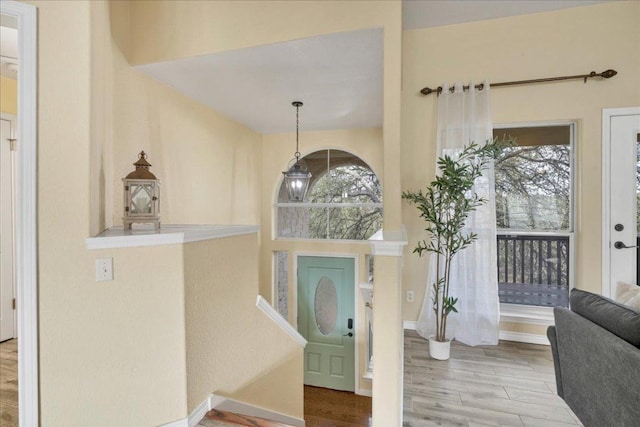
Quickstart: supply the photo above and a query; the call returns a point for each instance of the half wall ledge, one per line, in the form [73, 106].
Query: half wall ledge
[144, 235]
[389, 243]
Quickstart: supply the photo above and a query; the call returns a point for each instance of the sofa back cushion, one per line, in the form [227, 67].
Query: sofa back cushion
[618, 319]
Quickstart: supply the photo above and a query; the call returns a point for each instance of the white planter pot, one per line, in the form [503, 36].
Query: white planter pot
[439, 350]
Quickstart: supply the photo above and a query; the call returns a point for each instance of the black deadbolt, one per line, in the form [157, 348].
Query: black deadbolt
[619, 227]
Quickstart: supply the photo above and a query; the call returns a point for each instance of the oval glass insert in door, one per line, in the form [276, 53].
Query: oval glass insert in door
[326, 306]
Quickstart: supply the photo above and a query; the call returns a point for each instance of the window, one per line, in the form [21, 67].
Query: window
[344, 201]
[281, 280]
[534, 213]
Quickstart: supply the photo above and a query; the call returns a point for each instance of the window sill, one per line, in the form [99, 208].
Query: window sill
[310, 240]
[143, 235]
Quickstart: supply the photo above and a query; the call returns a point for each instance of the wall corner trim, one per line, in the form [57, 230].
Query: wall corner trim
[389, 243]
[272, 314]
[26, 212]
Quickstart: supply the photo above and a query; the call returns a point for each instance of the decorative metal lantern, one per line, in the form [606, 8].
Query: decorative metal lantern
[141, 195]
[296, 178]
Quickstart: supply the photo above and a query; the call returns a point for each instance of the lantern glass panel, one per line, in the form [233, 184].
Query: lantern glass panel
[141, 197]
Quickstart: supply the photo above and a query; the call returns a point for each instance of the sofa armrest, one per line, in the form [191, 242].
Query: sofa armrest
[553, 339]
[600, 372]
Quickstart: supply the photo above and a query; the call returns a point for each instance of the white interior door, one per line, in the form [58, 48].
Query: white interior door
[7, 282]
[623, 126]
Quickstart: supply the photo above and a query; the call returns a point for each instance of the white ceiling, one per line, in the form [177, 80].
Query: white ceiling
[434, 13]
[338, 77]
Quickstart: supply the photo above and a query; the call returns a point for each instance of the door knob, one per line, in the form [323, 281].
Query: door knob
[350, 334]
[620, 245]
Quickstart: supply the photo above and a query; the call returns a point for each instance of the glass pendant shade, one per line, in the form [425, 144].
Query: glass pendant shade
[296, 179]
[297, 182]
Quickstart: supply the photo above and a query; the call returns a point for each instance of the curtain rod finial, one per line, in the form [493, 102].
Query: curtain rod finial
[608, 74]
[429, 91]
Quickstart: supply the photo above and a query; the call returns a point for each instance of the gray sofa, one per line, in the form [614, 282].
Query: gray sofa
[596, 355]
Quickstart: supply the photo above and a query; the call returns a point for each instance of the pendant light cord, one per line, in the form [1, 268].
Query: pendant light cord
[297, 124]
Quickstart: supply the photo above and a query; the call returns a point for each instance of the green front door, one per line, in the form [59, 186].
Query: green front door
[325, 319]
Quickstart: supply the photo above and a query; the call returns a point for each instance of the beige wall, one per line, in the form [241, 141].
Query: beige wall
[8, 95]
[102, 345]
[232, 348]
[91, 128]
[571, 41]
[166, 30]
[198, 28]
[208, 165]
[119, 344]
[170, 30]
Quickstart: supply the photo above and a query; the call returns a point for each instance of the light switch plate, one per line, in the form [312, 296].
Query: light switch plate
[104, 269]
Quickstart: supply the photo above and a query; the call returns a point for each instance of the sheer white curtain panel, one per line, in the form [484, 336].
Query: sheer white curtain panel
[465, 117]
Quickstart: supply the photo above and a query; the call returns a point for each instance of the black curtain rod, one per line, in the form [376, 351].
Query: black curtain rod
[605, 75]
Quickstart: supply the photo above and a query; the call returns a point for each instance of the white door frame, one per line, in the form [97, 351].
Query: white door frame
[26, 203]
[607, 113]
[13, 122]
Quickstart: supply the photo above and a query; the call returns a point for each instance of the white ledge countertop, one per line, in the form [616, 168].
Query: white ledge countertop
[388, 243]
[146, 235]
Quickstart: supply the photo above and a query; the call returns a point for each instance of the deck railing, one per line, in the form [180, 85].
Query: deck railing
[534, 269]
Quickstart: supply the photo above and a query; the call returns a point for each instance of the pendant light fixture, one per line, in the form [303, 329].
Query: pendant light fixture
[296, 178]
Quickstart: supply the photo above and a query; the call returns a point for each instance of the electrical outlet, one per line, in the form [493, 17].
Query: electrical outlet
[104, 269]
[410, 296]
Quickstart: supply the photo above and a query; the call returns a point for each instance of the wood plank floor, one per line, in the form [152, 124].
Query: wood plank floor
[511, 384]
[322, 408]
[331, 408]
[9, 383]
[215, 418]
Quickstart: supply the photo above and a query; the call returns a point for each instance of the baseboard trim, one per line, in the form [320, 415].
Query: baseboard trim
[524, 337]
[407, 324]
[179, 423]
[194, 418]
[364, 392]
[504, 335]
[230, 405]
[199, 412]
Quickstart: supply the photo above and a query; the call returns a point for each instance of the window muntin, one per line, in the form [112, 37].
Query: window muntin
[344, 201]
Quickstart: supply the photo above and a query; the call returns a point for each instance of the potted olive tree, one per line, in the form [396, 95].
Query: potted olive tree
[445, 206]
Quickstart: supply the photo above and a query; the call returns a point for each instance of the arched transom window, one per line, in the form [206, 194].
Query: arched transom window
[344, 200]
